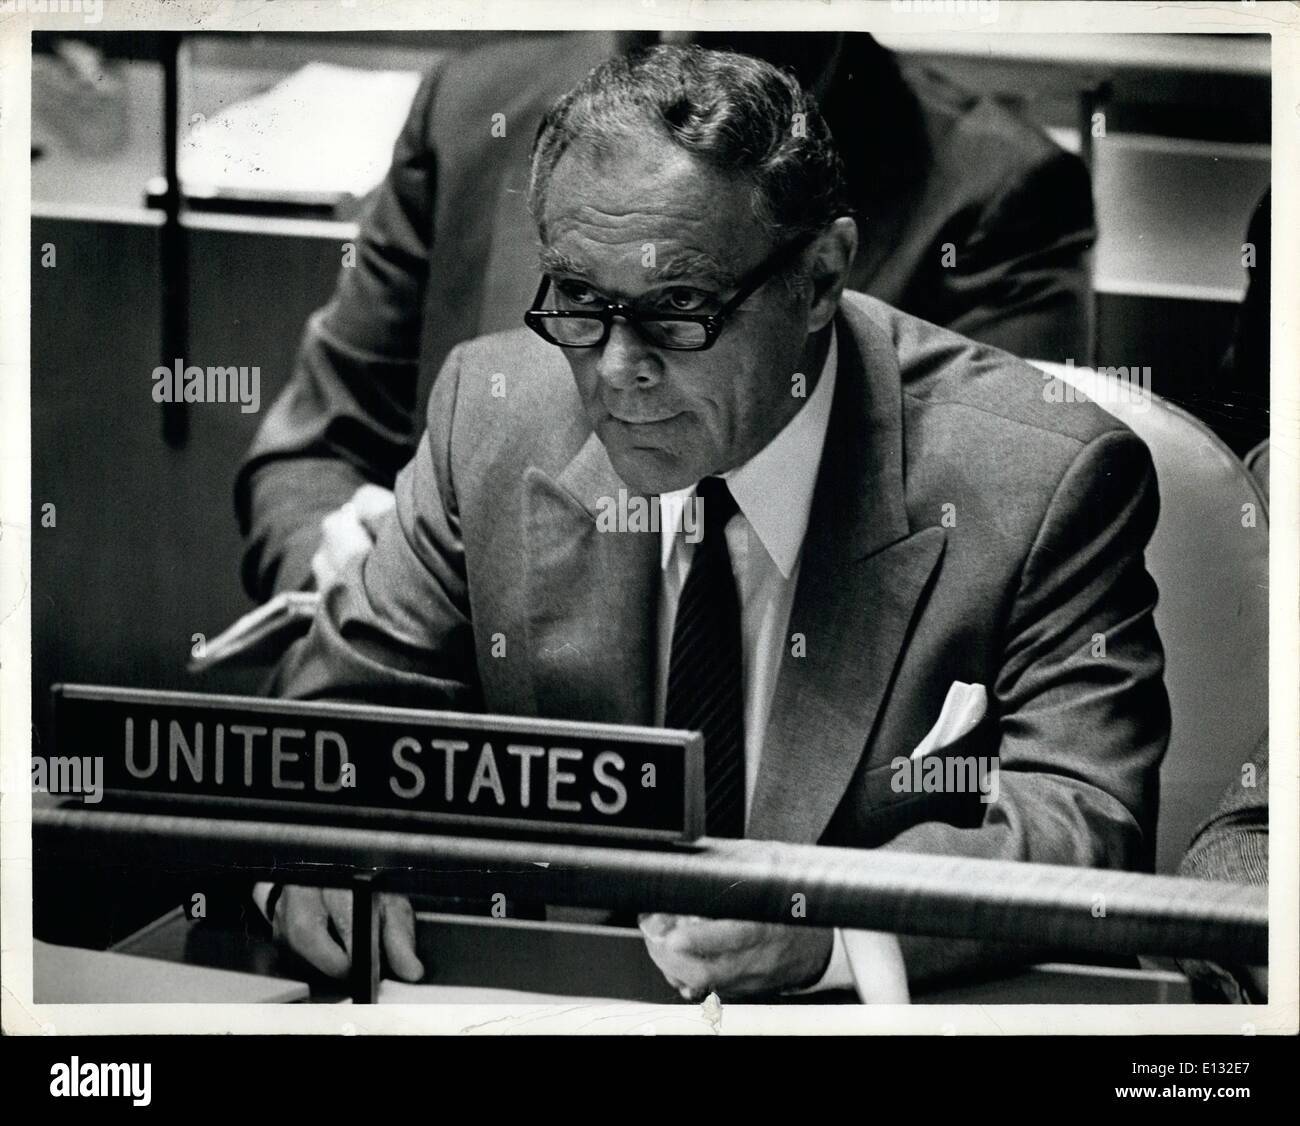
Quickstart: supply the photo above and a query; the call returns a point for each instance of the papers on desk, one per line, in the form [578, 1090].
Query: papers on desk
[68, 975]
[552, 1014]
[323, 134]
[404, 993]
[261, 635]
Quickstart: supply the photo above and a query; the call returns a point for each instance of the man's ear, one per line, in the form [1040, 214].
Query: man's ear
[828, 261]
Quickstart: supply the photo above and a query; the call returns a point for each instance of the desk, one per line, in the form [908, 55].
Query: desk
[473, 959]
[459, 952]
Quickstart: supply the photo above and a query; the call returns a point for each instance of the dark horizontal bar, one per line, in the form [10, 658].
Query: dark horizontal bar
[1066, 909]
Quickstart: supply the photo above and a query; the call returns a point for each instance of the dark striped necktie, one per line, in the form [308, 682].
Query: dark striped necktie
[705, 691]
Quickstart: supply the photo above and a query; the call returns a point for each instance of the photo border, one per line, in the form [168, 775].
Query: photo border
[18, 1013]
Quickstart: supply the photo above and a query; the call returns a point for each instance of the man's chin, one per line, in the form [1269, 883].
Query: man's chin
[649, 471]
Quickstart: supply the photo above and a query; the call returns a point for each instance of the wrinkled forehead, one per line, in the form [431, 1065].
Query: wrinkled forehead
[651, 204]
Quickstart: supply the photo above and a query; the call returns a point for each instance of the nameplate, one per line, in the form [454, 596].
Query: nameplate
[502, 775]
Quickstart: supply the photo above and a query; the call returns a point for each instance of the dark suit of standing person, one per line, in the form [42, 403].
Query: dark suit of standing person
[968, 217]
[896, 512]
[1235, 398]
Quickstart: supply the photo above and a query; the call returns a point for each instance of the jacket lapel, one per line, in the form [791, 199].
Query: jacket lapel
[863, 574]
[591, 597]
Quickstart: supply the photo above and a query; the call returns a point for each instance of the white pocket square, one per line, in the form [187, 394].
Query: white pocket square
[962, 710]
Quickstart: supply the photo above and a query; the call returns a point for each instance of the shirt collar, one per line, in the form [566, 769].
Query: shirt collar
[774, 488]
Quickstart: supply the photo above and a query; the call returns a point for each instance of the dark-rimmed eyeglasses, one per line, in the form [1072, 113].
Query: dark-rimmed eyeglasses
[680, 332]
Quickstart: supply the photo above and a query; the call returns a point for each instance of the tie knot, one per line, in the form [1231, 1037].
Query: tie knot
[717, 505]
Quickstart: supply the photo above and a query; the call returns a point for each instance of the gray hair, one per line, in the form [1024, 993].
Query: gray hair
[738, 115]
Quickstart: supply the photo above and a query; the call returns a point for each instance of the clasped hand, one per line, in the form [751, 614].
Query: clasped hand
[733, 958]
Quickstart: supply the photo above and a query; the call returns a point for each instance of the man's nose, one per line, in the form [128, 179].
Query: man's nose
[626, 361]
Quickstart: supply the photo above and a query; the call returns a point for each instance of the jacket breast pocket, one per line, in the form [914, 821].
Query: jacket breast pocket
[954, 784]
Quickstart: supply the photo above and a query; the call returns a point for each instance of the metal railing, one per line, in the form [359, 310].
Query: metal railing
[1076, 910]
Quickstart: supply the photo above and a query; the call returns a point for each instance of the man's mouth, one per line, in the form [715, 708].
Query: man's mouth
[649, 421]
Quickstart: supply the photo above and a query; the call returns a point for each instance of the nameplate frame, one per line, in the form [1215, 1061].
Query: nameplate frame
[503, 776]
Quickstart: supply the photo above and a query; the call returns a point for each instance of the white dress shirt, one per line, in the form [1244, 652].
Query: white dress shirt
[773, 491]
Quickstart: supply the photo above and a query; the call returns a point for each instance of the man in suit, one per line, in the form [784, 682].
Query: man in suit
[968, 217]
[888, 509]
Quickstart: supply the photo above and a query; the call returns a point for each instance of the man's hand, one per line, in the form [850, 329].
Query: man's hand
[302, 922]
[349, 531]
[734, 959]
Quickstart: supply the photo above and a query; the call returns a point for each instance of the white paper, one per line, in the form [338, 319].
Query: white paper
[325, 130]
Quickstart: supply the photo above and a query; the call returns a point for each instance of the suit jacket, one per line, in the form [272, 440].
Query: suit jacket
[447, 252]
[962, 528]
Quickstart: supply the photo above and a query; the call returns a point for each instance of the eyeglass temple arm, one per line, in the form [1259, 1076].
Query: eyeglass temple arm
[541, 292]
[765, 272]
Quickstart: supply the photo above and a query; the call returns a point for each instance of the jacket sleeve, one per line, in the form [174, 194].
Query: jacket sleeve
[345, 416]
[1232, 846]
[1022, 280]
[395, 629]
[1080, 699]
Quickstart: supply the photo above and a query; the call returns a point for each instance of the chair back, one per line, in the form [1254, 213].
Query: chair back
[1209, 558]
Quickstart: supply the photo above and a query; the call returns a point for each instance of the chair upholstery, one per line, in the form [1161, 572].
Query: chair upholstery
[1212, 572]
[1257, 463]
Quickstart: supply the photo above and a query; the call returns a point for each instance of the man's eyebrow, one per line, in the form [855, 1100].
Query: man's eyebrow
[686, 263]
[692, 263]
[557, 262]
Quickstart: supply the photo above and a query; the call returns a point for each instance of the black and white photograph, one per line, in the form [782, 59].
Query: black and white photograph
[650, 518]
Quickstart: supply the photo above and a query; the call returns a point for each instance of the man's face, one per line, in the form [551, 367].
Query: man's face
[649, 224]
